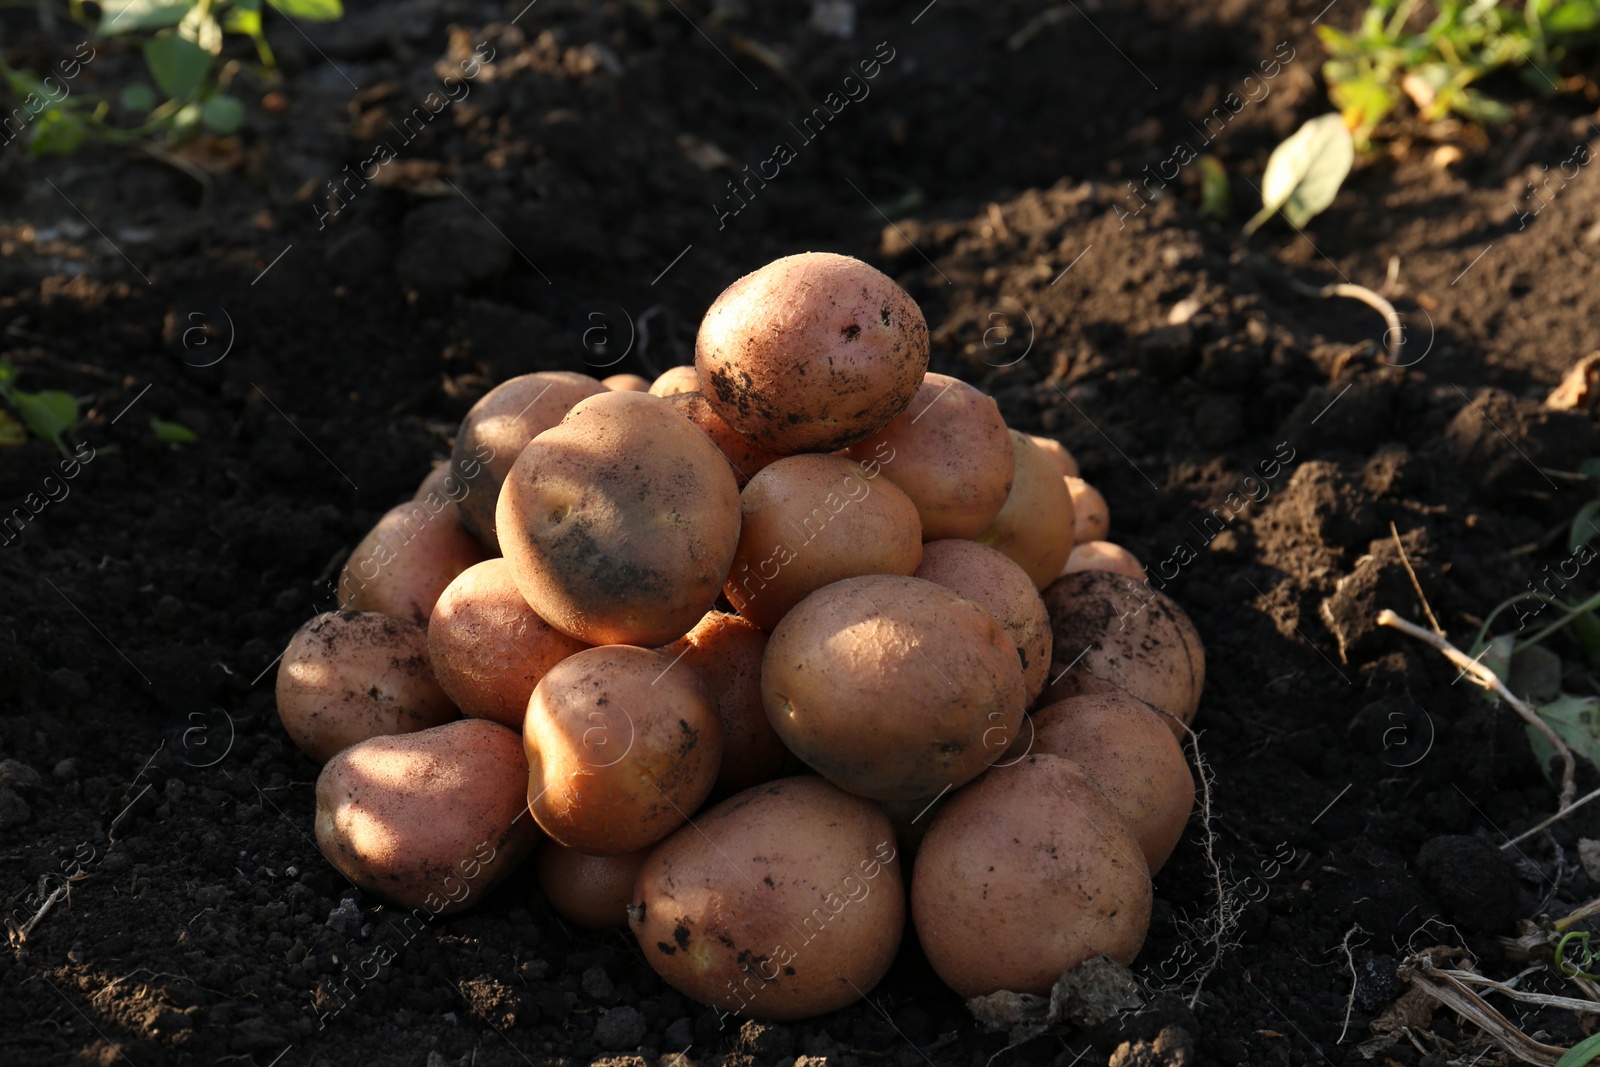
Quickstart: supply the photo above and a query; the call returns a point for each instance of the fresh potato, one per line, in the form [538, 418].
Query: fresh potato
[675, 380]
[630, 383]
[488, 648]
[1104, 556]
[893, 687]
[1065, 463]
[431, 820]
[1024, 874]
[498, 428]
[951, 453]
[350, 675]
[782, 902]
[1111, 632]
[1037, 519]
[809, 521]
[743, 456]
[811, 353]
[620, 523]
[1126, 749]
[441, 491]
[592, 891]
[406, 561]
[725, 651]
[621, 748]
[988, 577]
[1091, 517]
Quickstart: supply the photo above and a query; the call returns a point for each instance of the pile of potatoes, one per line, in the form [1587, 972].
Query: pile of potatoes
[747, 655]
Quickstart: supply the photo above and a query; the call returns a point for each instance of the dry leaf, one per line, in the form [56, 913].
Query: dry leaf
[1577, 390]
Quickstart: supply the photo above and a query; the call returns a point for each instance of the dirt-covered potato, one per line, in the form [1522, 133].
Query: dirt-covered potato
[1036, 524]
[431, 820]
[675, 380]
[1112, 632]
[620, 523]
[621, 748]
[592, 891]
[726, 651]
[489, 648]
[783, 902]
[406, 561]
[893, 687]
[1025, 873]
[988, 577]
[811, 353]
[1104, 556]
[745, 457]
[1091, 517]
[1064, 461]
[496, 430]
[1126, 748]
[350, 675]
[809, 521]
[951, 453]
[628, 383]
[442, 490]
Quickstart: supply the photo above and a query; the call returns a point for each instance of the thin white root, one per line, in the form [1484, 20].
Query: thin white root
[1350, 961]
[19, 934]
[1552, 820]
[1394, 337]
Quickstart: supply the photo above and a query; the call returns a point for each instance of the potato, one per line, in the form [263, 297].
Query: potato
[592, 891]
[406, 561]
[1058, 454]
[783, 902]
[621, 748]
[725, 651]
[1104, 556]
[1111, 632]
[811, 353]
[809, 521]
[1126, 749]
[442, 490]
[893, 687]
[986, 576]
[744, 457]
[488, 648]
[1091, 517]
[1024, 874]
[1035, 523]
[496, 430]
[632, 383]
[951, 453]
[675, 380]
[350, 675]
[620, 523]
[431, 820]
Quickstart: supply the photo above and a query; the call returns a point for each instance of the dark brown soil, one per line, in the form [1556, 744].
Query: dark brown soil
[577, 206]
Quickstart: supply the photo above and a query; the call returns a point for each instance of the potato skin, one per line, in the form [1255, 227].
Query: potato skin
[989, 577]
[1111, 632]
[631, 383]
[592, 891]
[496, 430]
[725, 651]
[1126, 749]
[1091, 517]
[1063, 459]
[621, 749]
[406, 561]
[1025, 873]
[442, 490]
[783, 902]
[745, 457]
[620, 523]
[675, 380]
[809, 521]
[489, 648]
[351, 675]
[951, 453]
[1035, 524]
[893, 687]
[1104, 556]
[431, 820]
[811, 353]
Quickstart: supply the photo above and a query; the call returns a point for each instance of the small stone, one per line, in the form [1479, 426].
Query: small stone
[346, 918]
[620, 1028]
[66, 770]
[14, 774]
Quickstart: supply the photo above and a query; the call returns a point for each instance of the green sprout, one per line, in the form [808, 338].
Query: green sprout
[50, 414]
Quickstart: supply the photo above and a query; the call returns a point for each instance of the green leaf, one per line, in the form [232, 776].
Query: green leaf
[1590, 468]
[1575, 16]
[1574, 720]
[1304, 173]
[138, 97]
[57, 132]
[1216, 201]
[1586, 628]
[11, 431]
[1584, 528]
[1582, 1054]
[132, 16]
[312, 10]
[49, 414]
[175, 433]
[222, 113]
[178, 65]
[242, 21]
